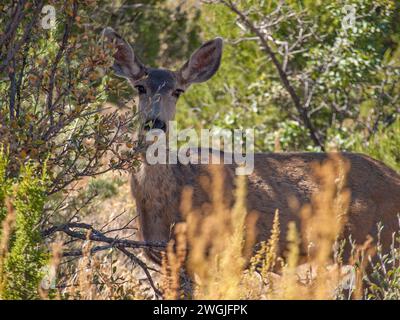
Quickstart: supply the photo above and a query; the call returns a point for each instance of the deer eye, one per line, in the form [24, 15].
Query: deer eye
[177, 93]
[141, 89]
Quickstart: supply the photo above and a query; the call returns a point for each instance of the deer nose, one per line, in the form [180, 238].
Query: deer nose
[155, 124]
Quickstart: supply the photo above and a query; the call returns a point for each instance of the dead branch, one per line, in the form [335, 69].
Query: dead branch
[87, 232]
[95, 235]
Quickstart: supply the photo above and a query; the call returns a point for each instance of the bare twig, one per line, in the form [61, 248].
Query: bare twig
[27, 31]
[120, 244]
[96, 235]
[281, 71]
[144, 267]
[59, 55]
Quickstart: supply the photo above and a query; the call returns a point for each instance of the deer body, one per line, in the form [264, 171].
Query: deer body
[277, 177]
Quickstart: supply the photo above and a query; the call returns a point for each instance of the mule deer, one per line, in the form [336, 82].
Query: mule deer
[375, 188]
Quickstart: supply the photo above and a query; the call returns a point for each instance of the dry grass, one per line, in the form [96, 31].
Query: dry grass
[216, 235]
[216, 238]
[107, 274]
[211, 256]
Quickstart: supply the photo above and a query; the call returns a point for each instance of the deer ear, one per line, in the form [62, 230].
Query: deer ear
[126, 64]
[203, 63]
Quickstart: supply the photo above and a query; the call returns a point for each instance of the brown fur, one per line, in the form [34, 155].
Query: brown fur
[278, 177]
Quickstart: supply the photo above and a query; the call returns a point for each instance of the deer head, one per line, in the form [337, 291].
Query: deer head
[159, 89]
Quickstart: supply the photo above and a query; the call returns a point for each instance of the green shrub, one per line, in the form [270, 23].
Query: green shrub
[384, 145]
[4, 185]
[26, 258]
[384, 281]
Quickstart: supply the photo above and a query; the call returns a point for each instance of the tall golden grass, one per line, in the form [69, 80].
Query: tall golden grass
[217, 239]
[213, 255]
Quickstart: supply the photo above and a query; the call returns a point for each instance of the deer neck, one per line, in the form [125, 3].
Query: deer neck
[155, 189]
